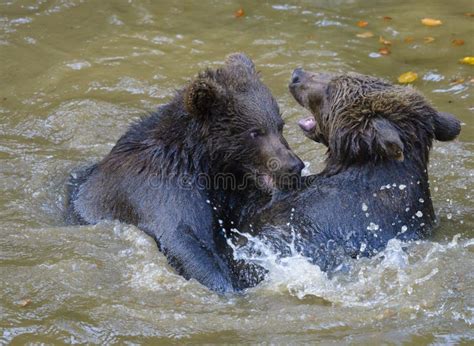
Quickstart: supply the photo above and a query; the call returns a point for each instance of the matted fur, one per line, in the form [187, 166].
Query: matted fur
[375, 185]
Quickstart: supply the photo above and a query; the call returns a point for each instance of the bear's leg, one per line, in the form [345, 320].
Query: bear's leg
[194, 258]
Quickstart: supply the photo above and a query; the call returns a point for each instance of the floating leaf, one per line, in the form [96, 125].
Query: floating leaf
[428, 39]
[239, 13]
[407, 77]
[384, 41]
[457, 81]
[362, 23]
[457, 42]
[431, 22]
[387, 18]
[469, 14]
[384, 51]
[366, 34]
[408, 39]
[25, 302]
[469, 60]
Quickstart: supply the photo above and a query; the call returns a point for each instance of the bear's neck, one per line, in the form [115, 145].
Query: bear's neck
[416, 157]
[412, 171]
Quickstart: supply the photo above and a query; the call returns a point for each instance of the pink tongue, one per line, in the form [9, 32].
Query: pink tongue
[307, 124]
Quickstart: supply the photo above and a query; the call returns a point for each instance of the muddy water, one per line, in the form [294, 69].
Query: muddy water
[73, 74]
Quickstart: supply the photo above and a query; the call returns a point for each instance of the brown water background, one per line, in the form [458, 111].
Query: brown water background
[74, 74]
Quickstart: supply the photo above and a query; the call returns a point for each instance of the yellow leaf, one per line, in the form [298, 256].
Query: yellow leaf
[431, 22]
[384, 41]
[469, 60]
[409, 39]
[407, 77]
[362, 23]
[366, 34]
[384, 51]
[428, 39]
[387, 18]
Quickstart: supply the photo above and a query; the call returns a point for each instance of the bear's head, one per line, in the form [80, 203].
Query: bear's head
[365, 119]
[241, 124]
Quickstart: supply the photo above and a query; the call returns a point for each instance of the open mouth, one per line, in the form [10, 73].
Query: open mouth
[271, 181]
[307, 124]
[266, 182]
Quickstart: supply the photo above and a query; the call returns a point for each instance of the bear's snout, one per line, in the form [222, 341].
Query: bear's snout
[297, 75]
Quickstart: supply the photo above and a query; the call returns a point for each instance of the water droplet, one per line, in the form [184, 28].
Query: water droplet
[404, 228]
[364, 207]
[373, 227]
[402, 187]
[419, 213]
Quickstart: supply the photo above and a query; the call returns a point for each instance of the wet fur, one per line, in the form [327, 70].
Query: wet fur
[375, 184]
[150, 177]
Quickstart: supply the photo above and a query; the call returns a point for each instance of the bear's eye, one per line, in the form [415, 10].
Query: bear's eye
[256, 133]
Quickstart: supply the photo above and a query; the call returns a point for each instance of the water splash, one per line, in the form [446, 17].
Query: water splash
[392, 278]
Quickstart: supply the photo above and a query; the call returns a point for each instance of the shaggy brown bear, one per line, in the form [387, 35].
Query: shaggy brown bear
[375, 184]
[180, 172]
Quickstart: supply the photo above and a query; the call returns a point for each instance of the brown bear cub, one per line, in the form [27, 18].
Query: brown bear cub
[180, 172]
[375, 184]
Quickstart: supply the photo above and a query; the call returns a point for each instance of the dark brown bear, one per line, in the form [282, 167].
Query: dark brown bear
[180, 172]
[375, 184]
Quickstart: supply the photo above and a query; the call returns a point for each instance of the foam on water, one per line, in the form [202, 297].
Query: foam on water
[383, 281]
[145, 267]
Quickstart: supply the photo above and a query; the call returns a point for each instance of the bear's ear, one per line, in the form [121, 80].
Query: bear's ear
[240, 60]
[387, 140]
[201, 97]
[446, 126]
[378, 139]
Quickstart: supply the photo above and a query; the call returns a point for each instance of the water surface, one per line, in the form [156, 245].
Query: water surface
[74, 74]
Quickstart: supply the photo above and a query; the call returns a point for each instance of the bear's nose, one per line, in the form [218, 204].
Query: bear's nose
[297, 166]
[296, 75]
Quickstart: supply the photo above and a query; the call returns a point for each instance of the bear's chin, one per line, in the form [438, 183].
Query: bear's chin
[270, 183]
[266, 182]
